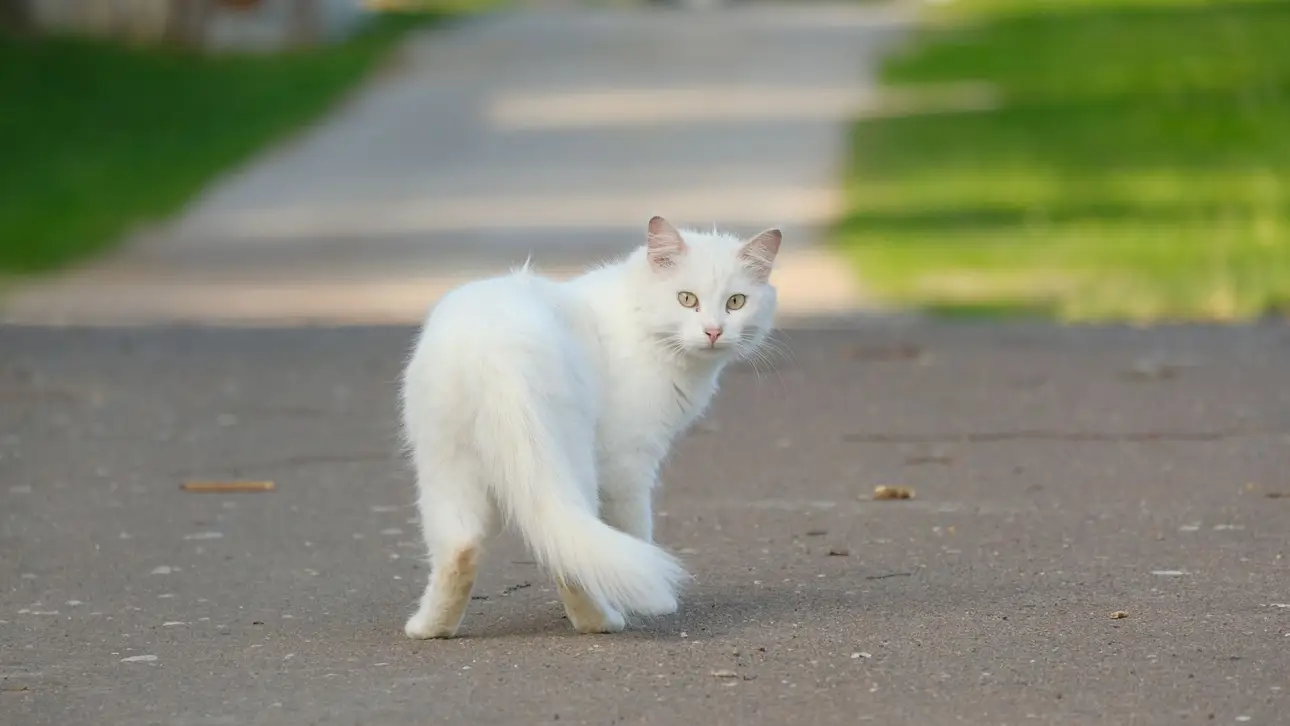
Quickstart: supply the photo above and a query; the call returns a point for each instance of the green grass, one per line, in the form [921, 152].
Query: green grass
[96, 137]
[1136, 166]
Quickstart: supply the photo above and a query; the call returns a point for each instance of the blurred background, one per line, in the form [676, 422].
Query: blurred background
[338, 161]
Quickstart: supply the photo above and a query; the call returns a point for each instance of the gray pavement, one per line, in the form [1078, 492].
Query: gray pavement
[556, 131]
[1060, 476]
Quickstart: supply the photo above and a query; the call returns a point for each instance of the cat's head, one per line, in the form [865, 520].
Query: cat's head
[709, 293]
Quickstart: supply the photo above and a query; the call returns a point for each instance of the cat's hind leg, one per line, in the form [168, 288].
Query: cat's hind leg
[456, 518]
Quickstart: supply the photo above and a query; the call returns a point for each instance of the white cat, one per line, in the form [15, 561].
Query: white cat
[551, 405]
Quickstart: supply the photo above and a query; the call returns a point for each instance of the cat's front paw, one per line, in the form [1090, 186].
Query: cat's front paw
[604, 621]
[663, 605]
[424, 627]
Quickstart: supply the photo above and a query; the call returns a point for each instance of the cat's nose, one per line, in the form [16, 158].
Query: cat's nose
[713, 334]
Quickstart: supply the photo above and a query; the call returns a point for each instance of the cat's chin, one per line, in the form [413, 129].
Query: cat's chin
[703, 352]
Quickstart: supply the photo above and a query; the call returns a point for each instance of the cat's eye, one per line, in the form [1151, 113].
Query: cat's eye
[736, 301]
[688, 299]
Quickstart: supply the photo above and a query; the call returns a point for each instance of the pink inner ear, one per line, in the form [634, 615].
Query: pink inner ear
[663, 244]
[760, 251]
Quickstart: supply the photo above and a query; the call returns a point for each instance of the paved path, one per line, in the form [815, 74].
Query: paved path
[1061, 476]
[557, 131]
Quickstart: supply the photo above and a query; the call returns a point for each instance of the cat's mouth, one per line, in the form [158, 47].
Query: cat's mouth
[719, 348]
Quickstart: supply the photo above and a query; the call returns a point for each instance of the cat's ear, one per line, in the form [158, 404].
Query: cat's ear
[758, 253]
[663, 244]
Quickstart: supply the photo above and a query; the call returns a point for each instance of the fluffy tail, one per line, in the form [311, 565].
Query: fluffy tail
[538, 485]
[630, 574]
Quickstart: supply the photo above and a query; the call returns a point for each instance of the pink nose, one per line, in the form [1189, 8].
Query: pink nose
[713, 334]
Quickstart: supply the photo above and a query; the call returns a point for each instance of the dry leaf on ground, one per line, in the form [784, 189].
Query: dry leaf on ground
[228, 486]
[886, 492]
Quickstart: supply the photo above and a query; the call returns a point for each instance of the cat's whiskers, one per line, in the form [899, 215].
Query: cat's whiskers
[776, 346]
[672, 346]
[761, 354]
[756, 359]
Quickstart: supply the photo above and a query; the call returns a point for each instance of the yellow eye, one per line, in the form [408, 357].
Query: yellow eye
[736, 301]
[688, 299]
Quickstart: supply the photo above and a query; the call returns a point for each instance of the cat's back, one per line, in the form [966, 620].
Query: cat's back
[515, 312]
[494, 344]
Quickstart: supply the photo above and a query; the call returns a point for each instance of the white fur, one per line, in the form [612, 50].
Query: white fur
[554, 404]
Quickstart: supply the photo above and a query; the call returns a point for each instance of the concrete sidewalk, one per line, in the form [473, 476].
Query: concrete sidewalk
[552, 131]
[1061, 476]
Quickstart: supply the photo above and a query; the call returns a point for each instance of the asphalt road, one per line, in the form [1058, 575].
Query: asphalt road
[1060, 476]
